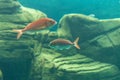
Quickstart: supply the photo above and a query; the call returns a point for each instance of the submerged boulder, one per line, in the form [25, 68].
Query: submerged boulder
[98, 38]
[9, 6]
[72, 25]
[56, 66]
[16, 55]
[98, 58]
[1, 75]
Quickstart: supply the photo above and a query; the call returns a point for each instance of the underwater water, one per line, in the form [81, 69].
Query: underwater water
[103, 9]
[59, 40]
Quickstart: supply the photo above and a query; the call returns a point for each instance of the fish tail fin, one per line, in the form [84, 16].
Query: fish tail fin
[76, 43]
[20, 32]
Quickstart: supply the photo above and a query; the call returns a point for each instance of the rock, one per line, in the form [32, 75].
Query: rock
[55, 66]
[16, 55]
[25, 15]
[105, 46]
[77, 24]
[97, 37]
[99, 40]
[1, 75]
[9, 6]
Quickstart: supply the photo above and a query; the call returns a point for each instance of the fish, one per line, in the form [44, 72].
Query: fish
[61, 44]
[40, 24]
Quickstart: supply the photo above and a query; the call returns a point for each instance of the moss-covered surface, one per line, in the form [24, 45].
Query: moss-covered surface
[99, 40]
[16, 55]
[1, 75]
[72, 25]
[56, 66]
[9, 6]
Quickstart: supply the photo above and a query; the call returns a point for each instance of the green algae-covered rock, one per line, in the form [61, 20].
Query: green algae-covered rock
[16, 55]
[25, 15]
[72, 25]
[9, 6]
[54, 66]
[85, 27]
[1, 75]
[98, 38]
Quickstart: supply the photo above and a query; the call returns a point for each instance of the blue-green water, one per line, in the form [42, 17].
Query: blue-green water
[57, 8]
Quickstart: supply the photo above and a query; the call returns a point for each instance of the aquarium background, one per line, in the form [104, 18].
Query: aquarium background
[103, 9]
[95, 22]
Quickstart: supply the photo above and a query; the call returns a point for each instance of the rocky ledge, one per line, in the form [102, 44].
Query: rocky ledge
[99, 39]
[57, 66]
[16, 55]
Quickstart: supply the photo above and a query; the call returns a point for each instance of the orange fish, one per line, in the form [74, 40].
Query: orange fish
[40, 24]
[60, 44]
